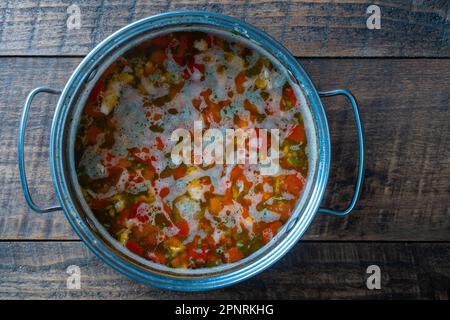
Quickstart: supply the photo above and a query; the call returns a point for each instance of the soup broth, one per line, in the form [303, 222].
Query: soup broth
[189, 215]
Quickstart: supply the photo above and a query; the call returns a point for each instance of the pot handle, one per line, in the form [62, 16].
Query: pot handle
[360, 176]
[22, 127]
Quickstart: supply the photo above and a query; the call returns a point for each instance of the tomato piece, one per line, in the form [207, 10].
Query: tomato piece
[134, 247]
[271, 230]
[297, 134]
[159, 143]
[183, 226]
[291, 95]
[232, 255]
[294, 185]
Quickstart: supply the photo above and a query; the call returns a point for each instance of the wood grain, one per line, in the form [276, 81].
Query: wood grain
[405, 109]
[318, 270]
[316, 28]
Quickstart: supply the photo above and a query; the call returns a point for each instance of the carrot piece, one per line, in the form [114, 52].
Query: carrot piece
[240, 122]
[297, 134]
[216, 204]
[164, 192]
[236, 173]
[294, 185]
[125, 163]
[232, 255]
[148, 173]
[239, 81]
[179, 171]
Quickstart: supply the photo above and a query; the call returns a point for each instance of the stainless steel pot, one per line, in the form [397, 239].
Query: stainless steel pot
[62, 139]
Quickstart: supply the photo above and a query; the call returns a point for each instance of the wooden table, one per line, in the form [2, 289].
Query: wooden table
[401, 76]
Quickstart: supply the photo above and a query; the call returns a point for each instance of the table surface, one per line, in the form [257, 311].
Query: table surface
[401, 77]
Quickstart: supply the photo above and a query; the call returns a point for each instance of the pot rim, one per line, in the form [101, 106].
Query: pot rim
[294, 228]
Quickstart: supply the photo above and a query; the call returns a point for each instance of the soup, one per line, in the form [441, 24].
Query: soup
[190, 214]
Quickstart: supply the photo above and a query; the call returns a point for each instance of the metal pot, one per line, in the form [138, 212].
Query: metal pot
[65, 122]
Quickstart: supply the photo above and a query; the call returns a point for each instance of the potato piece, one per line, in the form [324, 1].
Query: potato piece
[112, 92]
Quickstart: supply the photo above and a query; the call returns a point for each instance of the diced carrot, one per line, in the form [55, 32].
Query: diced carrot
[239, 81]
[245, 213]
[164, 192]
[240, 122]
[167, 209]
[294, 185]
[196, 103]
[250, 106]
[271, 230]
[125, 163]
[297, 134]
[236, 173]
[232, 255]
[148, 173]
[216, 204]
[157, 257]
[180, 261]
[179, 171]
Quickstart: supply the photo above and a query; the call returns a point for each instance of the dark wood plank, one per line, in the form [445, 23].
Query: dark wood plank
[405, 109]
[307, 28]
[309, 271]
